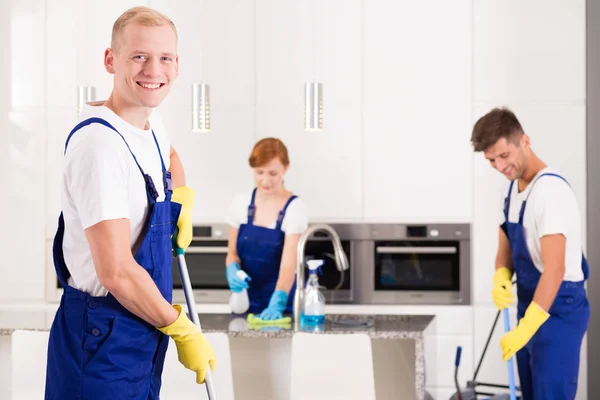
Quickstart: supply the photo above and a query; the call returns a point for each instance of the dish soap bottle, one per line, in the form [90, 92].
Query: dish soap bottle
[239, 301]
[314, 301]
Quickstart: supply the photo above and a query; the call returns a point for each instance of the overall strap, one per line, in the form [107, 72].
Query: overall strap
[167, 182]
[282, 212]
[522, 211]
[150, 187]
[507, 201]
[251, 208]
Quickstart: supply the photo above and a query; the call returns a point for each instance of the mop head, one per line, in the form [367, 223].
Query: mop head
[255, 322]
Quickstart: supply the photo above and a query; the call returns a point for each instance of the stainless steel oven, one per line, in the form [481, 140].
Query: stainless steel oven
[205, 258]
[389, 264]
[413, 264]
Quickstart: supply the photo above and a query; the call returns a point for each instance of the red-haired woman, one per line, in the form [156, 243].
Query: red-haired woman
[265, 226]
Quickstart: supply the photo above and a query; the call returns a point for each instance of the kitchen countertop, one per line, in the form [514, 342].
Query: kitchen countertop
[376, 326]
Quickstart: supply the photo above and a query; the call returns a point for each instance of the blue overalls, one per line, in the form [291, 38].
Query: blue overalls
[549, 364]
[98, 350]
[260, 251]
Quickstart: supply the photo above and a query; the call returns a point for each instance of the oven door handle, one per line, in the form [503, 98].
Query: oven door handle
[416, 250]
[207, 250]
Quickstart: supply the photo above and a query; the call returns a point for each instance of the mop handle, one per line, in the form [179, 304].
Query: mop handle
[511, 369]
[191, 304]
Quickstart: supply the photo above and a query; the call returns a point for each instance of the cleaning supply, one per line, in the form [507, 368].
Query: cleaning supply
[239, 301]
[314, 301]
[254, 322]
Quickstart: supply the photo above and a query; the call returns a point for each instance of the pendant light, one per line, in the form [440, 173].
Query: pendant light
[200, 91]
[313, 91]
[85, 94]
[313, 106]
[200, 107]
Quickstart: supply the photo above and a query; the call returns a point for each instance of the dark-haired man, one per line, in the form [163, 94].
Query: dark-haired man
[540, 241]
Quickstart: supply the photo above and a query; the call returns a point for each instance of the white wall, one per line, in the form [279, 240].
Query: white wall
[403, 83]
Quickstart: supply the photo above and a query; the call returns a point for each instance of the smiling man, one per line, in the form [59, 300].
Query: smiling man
[123, 195]
[540, 242]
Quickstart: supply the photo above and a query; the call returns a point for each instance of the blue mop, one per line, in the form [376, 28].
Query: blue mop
[511, 367]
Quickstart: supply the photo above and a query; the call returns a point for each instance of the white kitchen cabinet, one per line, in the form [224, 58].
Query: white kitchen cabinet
[23, 146]
[22, 25]
[521, 56]
[298, 43]
[283, 52]
[417, 111]
[78, 33]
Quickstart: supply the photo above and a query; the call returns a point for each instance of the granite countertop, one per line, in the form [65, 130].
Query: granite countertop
[376, 326]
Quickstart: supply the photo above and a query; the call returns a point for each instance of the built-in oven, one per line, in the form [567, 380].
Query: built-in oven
[205, 259]
[389, 264]
[413, 264]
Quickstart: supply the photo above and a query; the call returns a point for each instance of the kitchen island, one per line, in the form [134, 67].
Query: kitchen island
[261, 357]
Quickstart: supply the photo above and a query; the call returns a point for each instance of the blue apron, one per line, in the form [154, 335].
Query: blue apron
[98, 350]
[260, 251]
[549, 364]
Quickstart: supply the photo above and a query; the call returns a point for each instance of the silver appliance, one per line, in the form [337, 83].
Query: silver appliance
[411, 264]
[390, 263]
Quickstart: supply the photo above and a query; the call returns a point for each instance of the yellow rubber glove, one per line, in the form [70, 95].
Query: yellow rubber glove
[502, 292]
[184, 195]
[514, 340]
[194, 351]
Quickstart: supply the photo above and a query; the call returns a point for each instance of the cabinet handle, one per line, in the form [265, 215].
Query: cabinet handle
[416, 250]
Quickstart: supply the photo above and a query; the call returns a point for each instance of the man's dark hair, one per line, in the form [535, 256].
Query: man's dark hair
[495, 125]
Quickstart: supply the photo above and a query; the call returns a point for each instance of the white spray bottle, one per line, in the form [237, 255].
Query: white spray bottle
[239, 301]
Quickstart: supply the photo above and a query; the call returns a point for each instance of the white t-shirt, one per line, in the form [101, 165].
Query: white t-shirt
[551, 209]
[295, 220]
[101, 181]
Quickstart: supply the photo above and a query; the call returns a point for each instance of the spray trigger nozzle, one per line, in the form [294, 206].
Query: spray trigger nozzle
[314, 266]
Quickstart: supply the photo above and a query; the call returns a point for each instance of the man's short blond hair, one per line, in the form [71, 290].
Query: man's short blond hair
[144, 16]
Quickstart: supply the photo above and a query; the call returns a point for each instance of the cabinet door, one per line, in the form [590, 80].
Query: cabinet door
[298, 43]
[22, 149]
[418, 159]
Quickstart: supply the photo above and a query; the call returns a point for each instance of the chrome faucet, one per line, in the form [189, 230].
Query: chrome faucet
[340, 259]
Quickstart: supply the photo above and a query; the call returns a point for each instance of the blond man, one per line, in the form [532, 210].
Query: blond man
[123, 197]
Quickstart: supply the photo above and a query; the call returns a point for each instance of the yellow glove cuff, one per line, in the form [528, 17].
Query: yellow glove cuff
[184, 195]
[534, 317]
[502, 274]
[181, 327]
